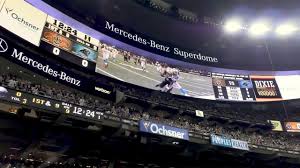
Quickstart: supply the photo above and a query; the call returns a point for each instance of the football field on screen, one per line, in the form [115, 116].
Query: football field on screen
[196, 85]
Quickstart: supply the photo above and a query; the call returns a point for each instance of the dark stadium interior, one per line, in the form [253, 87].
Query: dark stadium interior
[60, 108]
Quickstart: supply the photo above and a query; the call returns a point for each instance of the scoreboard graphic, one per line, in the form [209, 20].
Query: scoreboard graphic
[69, 44]
[232, 87]
[266, 88]
[57, 40]
[84, 52]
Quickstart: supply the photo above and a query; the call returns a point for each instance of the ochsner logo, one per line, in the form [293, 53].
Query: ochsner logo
[21, 20]
[146, 125]
[163, 130]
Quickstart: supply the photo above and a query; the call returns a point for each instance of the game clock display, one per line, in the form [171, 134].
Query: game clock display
[232, 87]
[69, 44]
[78, 34]
[80, 111]
[39, 102]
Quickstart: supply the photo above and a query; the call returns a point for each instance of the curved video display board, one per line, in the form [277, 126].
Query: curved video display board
[158, 73]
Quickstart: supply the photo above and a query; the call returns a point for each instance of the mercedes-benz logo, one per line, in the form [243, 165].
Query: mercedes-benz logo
[3, 46]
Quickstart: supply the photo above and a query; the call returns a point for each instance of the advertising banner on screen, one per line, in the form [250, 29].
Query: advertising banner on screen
[292, 126]
[266, 88]
[159, 129]
[49, 69]
[22, 19]
[228, 143]
[289, 86]
[104, 90]
[276, 125]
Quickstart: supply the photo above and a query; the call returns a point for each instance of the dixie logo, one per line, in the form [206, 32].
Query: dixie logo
[154, 128]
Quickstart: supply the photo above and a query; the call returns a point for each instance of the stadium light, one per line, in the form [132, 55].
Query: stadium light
[286, 29]
[233, 26]
[259, 29]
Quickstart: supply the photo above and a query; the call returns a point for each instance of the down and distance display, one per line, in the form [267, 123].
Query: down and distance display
[69, 44]
[47, 104]
[233, 87]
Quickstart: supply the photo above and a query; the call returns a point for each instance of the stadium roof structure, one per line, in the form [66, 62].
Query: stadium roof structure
[206, 33]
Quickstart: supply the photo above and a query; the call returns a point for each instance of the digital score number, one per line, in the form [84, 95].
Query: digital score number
[19, 98]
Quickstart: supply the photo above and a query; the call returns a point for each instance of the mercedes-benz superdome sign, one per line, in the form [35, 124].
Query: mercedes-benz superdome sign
[158, 47]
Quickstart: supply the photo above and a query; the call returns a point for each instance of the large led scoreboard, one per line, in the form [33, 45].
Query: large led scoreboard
[69, 44]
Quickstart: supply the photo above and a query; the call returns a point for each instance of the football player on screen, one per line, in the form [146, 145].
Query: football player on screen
[174, 84]
[171, 80]
[164, 72]
[114, 54]
[106, 54]
[143, 63]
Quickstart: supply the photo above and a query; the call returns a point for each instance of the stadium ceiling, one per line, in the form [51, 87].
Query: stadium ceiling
[207, 35]
[215, 8]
